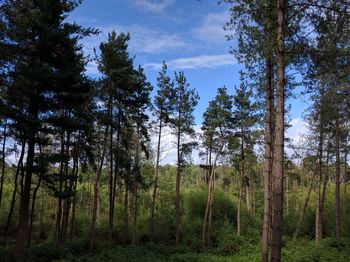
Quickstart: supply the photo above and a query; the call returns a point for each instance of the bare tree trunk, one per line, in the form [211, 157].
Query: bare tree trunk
[210, 200]
[153, 204]
[302, 215]
[318, 224]
[268, 159]
[3, 162]
[13, 201]
[32, 211]
[279, 148]
[177, 189]
[111, 184]
[241, 176]
[74, 203]
[126, 215]
[337, 178]
[22, 229]
[96, 193]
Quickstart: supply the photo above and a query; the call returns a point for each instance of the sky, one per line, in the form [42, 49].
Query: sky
[187, 34]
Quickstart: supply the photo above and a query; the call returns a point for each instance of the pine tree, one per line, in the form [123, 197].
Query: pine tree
[184, 99]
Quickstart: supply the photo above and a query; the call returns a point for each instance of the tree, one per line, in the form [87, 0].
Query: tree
[184, 100]
[37, 43]
[217, 132]
[162, 110]
[246, 119]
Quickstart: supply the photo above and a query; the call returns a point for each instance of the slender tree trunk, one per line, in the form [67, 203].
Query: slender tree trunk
[96, 193]
[337, 179]
[126, 214]
[318, 224]
[241, 176]
[32, 211]
[210, 200]
[74, 204]
[153, 204]
[3, 162]
[13, 201]
[111, 182]
[302, 215]
[279, 148]
[268, 159]
[177, 188]
[22, 229]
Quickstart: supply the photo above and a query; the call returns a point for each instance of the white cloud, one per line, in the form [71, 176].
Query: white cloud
[153, 6]
[197, 62]
[211, 29]
[143, 39]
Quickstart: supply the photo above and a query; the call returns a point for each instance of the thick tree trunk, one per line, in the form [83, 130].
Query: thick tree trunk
[153, 203]
[126, 215]
[279, 144]
[268, 159]
[337, 179]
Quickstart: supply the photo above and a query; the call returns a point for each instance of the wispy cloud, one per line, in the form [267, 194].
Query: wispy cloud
[197, 62]
[143, 39]
[153, 6]
[210, 29]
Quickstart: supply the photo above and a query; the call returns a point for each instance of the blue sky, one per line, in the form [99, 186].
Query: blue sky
[187, 34]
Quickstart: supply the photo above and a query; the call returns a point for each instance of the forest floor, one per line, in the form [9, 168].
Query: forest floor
[302, 250]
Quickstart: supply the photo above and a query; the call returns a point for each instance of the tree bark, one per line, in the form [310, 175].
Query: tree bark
[268, 154]
[279, 144]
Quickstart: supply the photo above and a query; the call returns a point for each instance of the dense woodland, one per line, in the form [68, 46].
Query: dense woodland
[81, 178]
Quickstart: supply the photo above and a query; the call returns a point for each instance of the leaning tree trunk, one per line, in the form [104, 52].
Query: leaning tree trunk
[279, 144]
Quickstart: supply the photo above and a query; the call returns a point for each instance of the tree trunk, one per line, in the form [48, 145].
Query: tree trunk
[3, 163]
[279, 148]
[302, 215]
[337, 178]
[32, 211]
[318, 224]
[22, 229]
[96, 193]
[13, 201]
[241, 176]
[153, 204]
[177, 189]
[111, 183]
[268, 159]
